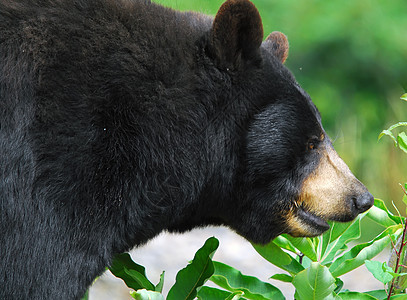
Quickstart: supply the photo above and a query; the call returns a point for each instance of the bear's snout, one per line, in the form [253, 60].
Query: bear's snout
[363, 202]
[330, 192]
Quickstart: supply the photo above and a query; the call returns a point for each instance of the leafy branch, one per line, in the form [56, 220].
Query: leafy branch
[400, 140]
[400, 257]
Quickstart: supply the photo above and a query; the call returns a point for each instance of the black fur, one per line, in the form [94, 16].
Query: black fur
[117, 122]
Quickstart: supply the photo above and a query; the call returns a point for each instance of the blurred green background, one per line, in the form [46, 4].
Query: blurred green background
[351, 57]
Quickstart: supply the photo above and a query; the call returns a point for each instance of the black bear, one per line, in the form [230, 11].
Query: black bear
[122, 118]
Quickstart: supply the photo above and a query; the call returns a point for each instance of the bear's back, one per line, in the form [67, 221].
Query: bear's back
[150, 42]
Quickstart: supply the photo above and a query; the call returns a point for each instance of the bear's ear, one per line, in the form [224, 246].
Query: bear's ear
[277, 44]
[237, 33]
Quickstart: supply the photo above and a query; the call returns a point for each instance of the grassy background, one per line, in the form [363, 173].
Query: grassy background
[351, 57]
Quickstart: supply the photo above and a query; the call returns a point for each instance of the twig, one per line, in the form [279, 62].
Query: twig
[394, 246]
[402, 244]
[404, 190]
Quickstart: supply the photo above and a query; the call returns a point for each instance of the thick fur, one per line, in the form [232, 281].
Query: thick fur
[121, 119]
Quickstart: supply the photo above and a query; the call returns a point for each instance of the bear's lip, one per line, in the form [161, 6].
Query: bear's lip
[317, 224]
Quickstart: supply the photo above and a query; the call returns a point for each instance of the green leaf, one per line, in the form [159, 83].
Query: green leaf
[388, 133]
[381, 215]
[305, 245]
[399, 297]
[235, 296]
[356, 295]
[336, 229]
[404, 97]
[160, 285]
[146, 295]
[233, 280]
[272, 253]
[139, 278]
[379, 271]
[379, 294]
[134, 275]
[398, 274]
[282, 242]
[339, 285]
[316, 282]
[206, 293]
[194, 275]
[402, 141]
[358, 254]
[124, 260]
[282, 277]
[394, 126]
[306, 262]
[332, 296]
[352, 232]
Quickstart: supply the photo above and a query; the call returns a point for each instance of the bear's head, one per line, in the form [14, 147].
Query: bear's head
[292, 181]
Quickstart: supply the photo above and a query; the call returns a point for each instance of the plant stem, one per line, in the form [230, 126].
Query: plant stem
[404, 190]
[402, 244]
[394, 247]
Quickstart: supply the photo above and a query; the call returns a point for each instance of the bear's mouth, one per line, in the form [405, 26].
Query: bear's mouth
[311, 224]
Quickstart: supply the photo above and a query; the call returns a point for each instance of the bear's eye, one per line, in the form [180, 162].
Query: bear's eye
[312, 143]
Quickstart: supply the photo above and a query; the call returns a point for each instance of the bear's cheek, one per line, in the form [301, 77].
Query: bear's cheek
[331, 192]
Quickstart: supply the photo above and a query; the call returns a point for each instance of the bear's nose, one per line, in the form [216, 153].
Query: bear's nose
[363, 202]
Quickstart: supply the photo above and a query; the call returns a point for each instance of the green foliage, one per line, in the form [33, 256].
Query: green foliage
[146, 295]
[313, 266]
[282, 277]
[329, 255]
[217, 294]
[315, 282]
[381, 271]
[394, 273]
[397, 265]
[134, 275]
[160, 285]
[381, 215]
[250, 287]
[277, 256]
[188, 280]
[400, 140]
[356, 256]
[356, 295]
[195, 274]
